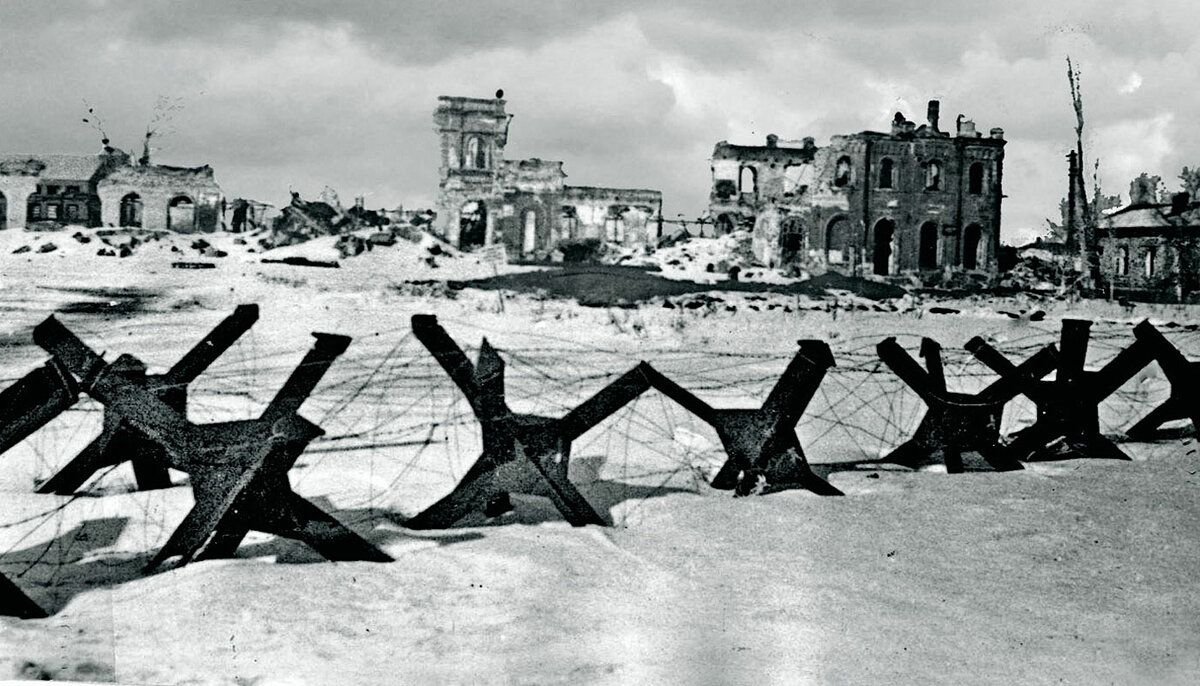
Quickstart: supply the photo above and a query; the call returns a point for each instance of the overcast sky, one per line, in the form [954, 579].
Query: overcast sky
[311, 93]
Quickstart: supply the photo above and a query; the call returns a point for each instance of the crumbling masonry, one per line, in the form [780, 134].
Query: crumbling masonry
[916, 199]
[524, 204]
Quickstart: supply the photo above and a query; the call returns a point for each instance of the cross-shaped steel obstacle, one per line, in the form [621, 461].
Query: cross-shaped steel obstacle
[14, 602]
[118, 441]
[522, 453]
[1184, 376]
[1068, 406]
[238, 469]
[957, 423]
[761, 447]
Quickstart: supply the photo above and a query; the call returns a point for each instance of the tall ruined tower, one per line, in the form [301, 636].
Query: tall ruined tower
[473, 133]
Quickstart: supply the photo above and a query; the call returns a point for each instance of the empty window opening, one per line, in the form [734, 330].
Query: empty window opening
[841, 175]
[886, 169]
[975, 179]
[748, 180]
[933, 176]
[530, 236]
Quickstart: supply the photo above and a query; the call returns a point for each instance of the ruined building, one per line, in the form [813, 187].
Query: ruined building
[106, 190]
[1150, 251]
[914, 199]
[524, 204]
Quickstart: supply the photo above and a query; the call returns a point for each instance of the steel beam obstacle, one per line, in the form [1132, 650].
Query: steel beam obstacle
[1184, 376]
[761, 446]
[238, 469]
[1068, 406]
[522, 453]
[14, 602]
[119, 442]
[957, 423]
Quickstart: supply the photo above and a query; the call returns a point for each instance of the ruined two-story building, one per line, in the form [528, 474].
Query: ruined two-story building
[525, 204]
[914, 199]
[107, 190]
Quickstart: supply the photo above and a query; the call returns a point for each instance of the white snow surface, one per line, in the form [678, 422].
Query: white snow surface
[1078, 572]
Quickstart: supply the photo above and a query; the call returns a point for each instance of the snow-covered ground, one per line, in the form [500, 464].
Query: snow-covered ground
[1071, 572]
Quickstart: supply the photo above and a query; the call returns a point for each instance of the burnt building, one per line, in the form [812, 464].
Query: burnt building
[525, 204]
[106, 189]
[1151, 251]
[161, 197]
[58, 189]
[910, 200]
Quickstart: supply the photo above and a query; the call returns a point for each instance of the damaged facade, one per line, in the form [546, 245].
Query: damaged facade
[107, 190]
[524, 204]
[911, 200]
[1151, 251]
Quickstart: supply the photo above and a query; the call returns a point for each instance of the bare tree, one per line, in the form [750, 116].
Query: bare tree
[165, 109]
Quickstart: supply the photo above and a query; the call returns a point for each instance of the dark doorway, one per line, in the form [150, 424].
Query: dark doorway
[131, 210]
[791, 239]
[181, 214]
[928, 255]
[472, 225]
[3, 212]
[837, 241]
[885, 230]
[971, 239]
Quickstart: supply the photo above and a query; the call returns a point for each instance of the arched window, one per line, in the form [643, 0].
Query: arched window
[476, 153]
[928, 253]
[181, 214]
[975, 178]
[1150, 262]
[748, 180]
[131, 210]
[933, 176]
[885, 172]
[1123, 261]
[529, 244]
[841, 175]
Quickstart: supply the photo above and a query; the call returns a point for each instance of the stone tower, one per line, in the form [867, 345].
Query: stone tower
[473, 133]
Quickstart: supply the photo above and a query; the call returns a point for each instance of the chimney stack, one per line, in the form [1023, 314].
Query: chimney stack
[935, 108]
[772, 140]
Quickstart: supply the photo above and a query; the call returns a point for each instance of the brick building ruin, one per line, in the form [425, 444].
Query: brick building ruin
[1150, 251]
[524, 204]
[916, 199]
[107, 190]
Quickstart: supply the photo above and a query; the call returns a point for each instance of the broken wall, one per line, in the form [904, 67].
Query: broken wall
[158, 187]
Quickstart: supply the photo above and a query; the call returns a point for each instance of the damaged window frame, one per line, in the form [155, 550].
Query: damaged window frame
[975, 178]
[843, 172]
[933, 175]
[887, 173]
